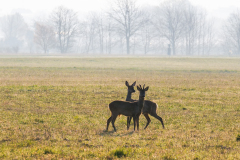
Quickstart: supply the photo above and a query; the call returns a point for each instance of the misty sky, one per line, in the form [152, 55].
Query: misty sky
[217, 8]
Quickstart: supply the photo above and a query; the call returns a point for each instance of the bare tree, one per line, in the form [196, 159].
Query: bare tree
[65, 22]
[128, 18]
[190, 21]
[208, 37]
[184, 26]
[14, 28]
[203, 40]
[96, 34]
[100, 31]
[30, 41]
[147, 34]
[168, 20]
[44, 36]
[88, 34]
[231, 33]
[110, 37]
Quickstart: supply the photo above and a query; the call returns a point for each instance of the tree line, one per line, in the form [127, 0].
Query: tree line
[175, 27]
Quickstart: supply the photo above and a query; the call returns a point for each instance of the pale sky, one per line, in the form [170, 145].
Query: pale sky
[30, 8]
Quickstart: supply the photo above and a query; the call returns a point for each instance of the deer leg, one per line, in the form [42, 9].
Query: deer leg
[108, 121]
[137, 123]
[134, 121]
[159, 118]
[113, 121]
[148, 119]
[128, 122]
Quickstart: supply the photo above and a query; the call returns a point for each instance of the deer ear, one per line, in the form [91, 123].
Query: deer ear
[134, 83]
[146, 88]
[126, 83]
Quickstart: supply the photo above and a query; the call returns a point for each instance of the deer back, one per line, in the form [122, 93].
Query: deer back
[124, 108]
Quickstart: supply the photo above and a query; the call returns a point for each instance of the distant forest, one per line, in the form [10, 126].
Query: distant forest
[174, 28]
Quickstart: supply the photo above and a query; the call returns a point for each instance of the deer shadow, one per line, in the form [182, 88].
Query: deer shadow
[115, 134]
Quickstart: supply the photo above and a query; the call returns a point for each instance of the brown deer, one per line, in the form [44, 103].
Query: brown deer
[132, 109]
[148, 108]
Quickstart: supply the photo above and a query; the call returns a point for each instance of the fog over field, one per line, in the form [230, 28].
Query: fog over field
[120, 27]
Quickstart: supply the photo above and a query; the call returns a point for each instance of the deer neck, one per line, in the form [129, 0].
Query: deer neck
[141, 102]
[129, 96]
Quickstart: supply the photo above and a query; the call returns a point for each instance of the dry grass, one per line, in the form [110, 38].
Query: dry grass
[53, 108]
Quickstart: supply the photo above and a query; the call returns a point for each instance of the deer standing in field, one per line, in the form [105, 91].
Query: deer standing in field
[132, 109]
[148, 108]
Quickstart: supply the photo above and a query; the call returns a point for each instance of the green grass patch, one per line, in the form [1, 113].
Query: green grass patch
[48, 151]
[238, 137]
[121, 152]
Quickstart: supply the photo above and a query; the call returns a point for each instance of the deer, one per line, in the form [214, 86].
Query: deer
[148, 108]
[126, 108]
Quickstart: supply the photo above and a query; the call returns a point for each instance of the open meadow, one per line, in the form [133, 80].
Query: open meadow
[57, 108]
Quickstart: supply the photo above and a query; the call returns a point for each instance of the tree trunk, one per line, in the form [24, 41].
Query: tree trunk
[128, 45]
[173, 48]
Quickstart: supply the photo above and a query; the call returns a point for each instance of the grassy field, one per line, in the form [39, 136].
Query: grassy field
[57, 108]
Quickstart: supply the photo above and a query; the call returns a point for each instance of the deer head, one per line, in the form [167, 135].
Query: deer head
[130, 87]
[142, 90]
